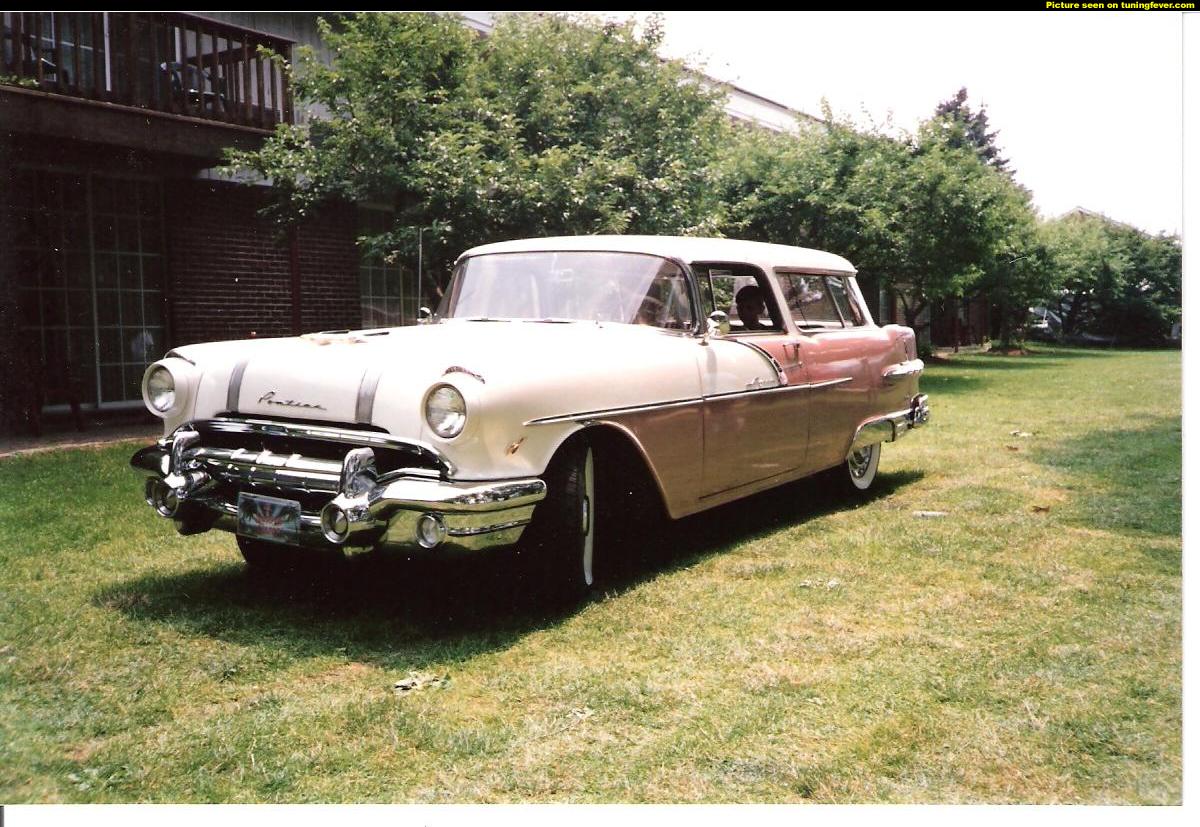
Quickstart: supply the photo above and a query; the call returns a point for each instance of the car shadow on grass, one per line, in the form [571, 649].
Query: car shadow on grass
[401, 612]
[684, 543]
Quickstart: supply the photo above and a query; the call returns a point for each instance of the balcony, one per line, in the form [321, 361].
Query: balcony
[157, 66]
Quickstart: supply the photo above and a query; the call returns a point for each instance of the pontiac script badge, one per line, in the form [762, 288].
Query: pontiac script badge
[269, 398]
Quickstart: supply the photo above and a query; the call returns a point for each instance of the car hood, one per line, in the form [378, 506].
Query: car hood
[565, 367]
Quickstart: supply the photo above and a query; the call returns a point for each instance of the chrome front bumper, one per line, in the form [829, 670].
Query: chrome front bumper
[890, 427]
[343, 504]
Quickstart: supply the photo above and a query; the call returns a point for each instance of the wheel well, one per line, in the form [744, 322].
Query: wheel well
[622, 469]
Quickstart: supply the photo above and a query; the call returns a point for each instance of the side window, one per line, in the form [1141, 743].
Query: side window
[811, 301]
[845, 302]
[742, 292]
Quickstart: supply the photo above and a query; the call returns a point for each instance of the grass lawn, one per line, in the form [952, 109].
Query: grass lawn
[1025, 647]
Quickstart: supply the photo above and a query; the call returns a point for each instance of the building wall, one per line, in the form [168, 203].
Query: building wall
[329, 266]
[230, 270]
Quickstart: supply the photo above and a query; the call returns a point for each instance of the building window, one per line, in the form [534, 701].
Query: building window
[391, 292]
[89, 279]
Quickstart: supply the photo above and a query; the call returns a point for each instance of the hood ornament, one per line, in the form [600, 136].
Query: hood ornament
[269, 399]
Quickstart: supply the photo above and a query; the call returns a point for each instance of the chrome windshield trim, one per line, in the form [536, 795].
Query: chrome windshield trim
[345, 436]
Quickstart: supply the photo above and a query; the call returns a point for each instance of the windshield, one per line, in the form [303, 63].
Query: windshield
[627, 288]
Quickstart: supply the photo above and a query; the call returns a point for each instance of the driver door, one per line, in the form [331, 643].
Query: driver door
[755, 408]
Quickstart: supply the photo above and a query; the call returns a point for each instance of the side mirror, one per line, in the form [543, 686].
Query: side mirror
[717, 325]
[424, 316]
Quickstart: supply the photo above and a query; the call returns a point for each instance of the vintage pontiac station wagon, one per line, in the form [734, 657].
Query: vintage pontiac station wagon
[561, 385]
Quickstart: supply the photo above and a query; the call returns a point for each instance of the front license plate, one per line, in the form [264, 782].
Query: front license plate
[268, 518]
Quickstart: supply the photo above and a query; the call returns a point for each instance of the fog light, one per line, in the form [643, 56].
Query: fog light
[163, 498]
[431, 531]
[335, 525]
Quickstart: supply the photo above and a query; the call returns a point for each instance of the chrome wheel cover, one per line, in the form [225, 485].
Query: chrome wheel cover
[859, 461]
[588, 515]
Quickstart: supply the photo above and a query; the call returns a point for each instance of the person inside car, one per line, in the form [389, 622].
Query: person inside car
[750, 307]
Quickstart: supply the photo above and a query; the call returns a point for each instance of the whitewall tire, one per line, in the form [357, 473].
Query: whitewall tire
[862, 465]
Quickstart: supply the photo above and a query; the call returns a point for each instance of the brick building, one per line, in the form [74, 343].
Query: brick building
[119, 239]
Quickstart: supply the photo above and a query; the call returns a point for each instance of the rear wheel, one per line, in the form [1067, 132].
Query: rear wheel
[860, 467]
[856, 475]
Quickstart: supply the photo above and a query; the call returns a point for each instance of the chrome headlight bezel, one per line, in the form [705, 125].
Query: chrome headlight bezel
[445, 410]
[159, 389]
[166, 386]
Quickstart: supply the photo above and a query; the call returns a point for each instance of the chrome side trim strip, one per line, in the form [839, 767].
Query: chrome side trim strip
[652, 406]
[679, 403]
[233, 394]
[779, 374]
[365, 406]
[829, 383]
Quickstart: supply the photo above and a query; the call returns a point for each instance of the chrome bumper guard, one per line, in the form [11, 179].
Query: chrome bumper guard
[410, 509]
[890, 427]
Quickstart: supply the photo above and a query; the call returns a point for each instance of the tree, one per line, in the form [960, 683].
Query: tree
[1090, 266]
[921, 215]
[548, 126]
[974, 132]
[1116, 280]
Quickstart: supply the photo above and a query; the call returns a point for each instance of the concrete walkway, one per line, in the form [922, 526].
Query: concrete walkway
[96, 436]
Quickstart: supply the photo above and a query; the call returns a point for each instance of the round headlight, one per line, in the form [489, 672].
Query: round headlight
[446, 411]
[160, 389]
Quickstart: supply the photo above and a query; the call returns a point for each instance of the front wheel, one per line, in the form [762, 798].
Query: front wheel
[561, 540]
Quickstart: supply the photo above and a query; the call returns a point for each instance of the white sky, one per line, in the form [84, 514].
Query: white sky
[1088, 105]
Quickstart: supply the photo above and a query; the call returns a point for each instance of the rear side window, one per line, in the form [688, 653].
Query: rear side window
[842, 299]
[820, 302]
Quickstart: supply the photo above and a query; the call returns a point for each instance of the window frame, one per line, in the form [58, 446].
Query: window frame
[762, 279]
[851, 296]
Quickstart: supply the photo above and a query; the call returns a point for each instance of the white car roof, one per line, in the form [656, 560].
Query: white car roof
[687, 248]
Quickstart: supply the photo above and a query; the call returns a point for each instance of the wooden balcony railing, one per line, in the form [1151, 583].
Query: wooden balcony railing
[176, 63]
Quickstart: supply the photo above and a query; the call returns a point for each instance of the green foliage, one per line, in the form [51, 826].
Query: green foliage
[14, 80]
[972, 129]
[1115, 280]
[550, 126]
[921, 215]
